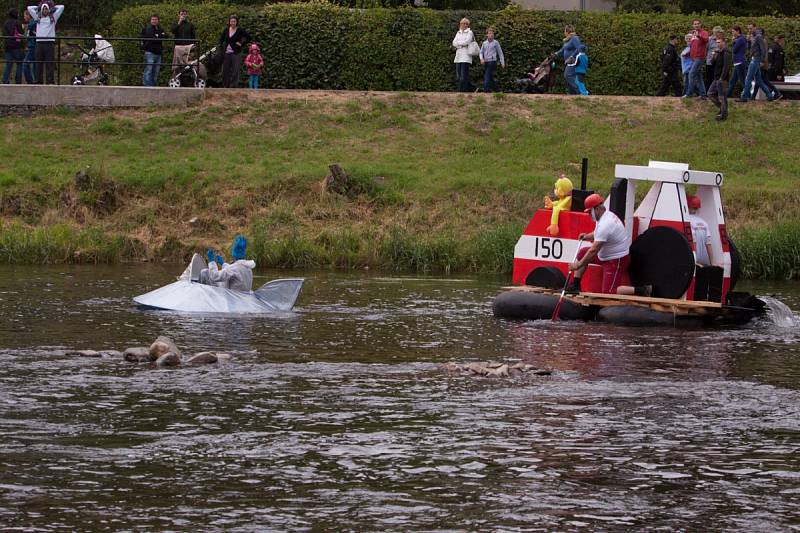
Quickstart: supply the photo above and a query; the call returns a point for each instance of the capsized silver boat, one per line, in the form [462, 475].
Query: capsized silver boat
[189, 296]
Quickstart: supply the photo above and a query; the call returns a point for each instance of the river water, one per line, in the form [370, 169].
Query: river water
[337, 416]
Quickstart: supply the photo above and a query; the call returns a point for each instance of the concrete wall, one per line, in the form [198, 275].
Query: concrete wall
[94, 96]
[569, 5]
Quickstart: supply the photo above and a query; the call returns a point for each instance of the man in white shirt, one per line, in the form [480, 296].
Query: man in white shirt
[610, 250]
[700, 234]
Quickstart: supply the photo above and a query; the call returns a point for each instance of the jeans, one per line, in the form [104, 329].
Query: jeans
[754, 73]
[462, 75]
[569, 77]
[45, 61]
[696, 78]
[489, 84]
[254, 82]
[739, 74]
[772, 90]
[718, 93]
[27, 64]
[13, 57]
[685, 83]
[152, 66]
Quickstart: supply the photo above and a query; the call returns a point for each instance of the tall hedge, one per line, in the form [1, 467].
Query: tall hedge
[324, 46]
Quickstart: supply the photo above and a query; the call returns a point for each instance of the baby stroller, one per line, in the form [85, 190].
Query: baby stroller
[189, 72]
[541, 79]
[92, 61]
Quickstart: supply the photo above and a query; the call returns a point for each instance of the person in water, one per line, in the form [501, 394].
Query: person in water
[236, 276]
[610, 250]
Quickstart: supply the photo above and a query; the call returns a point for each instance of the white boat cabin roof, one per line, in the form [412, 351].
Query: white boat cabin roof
[666, 172]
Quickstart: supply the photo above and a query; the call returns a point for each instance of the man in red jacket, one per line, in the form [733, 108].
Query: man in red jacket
[697, 53]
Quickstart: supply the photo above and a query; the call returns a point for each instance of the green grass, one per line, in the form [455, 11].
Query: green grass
[440, 182]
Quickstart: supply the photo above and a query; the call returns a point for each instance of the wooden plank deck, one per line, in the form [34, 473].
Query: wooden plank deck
[669, 305]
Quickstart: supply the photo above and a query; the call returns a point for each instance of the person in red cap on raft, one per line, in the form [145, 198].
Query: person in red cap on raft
[700, 233]
[610, 249]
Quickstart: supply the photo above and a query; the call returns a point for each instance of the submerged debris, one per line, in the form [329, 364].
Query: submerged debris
[139, 354]
[494, 369]
[105, 354]
[165, 353]
[202, 358]
[169, 359]
[163, 345]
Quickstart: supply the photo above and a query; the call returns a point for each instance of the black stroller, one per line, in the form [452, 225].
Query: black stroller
[91, 63]
[541, 80]
[188, 71]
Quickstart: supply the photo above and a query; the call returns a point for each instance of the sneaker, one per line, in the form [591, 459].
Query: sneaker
[643, 290]
[777, 97]
[741, 100]
[720, 117]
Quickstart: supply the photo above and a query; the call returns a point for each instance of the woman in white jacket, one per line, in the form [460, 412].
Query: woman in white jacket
[463, 58]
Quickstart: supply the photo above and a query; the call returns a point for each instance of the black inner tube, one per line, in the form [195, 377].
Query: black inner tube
[663, 258]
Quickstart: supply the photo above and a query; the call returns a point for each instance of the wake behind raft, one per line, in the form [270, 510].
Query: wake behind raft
[663, 255]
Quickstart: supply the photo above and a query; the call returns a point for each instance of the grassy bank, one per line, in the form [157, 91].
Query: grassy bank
[440, 182]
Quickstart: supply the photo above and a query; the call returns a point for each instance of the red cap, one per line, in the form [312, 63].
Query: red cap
[592, 201]
[693, 201]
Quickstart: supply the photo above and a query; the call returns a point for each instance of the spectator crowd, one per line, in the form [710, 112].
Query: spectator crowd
[29, 46]
[710, 66]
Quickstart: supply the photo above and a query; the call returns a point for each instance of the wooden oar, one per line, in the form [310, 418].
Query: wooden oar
[569, 276]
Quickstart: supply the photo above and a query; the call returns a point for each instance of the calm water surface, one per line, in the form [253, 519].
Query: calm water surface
[337, 417]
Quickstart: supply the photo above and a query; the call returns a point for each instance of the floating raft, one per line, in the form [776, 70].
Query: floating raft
[528, 302]
[666, 305]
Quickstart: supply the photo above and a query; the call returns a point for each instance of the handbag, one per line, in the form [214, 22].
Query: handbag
[473, 49]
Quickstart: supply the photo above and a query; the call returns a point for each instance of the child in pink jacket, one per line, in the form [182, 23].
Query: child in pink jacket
[254, 64]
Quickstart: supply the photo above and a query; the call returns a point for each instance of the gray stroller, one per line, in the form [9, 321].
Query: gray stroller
[188, 71]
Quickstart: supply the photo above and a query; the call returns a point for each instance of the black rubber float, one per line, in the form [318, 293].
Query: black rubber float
[634, 315]
[663, 258]
[549, 277]
[535, 306]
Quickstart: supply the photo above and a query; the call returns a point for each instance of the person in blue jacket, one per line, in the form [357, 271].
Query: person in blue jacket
[581, 67]
[569, 51]
[686, 63]
[30, 53]
[739, 49]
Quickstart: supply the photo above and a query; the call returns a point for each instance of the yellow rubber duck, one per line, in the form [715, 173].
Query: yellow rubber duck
[563, 190]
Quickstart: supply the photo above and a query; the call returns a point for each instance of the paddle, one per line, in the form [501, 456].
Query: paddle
[569, 276]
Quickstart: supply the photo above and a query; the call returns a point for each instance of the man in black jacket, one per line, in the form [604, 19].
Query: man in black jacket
[184, 34]
[153, 47]
[670, 67]
[777, 60]
[722, 62]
